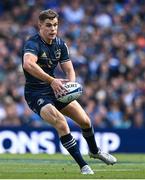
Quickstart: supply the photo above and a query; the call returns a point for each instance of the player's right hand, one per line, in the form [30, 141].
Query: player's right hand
[58, 88]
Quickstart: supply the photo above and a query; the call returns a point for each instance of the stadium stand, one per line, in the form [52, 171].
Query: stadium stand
[107, 46]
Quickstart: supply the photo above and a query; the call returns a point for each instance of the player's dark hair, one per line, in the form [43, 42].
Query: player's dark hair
[47, 14]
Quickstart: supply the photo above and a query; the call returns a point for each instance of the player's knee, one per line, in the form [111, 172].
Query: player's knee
[86, 123]
[62, 127]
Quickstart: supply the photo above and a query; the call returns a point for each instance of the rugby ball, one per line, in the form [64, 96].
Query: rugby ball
[74, 91]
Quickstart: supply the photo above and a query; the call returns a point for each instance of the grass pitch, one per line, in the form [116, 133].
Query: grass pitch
[58, 166]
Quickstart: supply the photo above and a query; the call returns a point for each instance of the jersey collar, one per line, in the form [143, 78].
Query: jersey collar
[53, 41]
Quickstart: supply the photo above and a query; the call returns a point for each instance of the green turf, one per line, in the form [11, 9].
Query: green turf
[44, 166]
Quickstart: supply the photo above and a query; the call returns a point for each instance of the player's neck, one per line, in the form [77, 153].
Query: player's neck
[48, 41]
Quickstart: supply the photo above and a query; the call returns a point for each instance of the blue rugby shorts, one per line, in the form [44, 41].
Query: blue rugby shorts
[36, 101]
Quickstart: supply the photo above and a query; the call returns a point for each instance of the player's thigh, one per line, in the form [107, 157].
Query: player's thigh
[50, 114]
[76, 113]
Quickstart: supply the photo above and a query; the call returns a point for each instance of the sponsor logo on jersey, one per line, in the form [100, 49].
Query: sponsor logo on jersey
[43, 55]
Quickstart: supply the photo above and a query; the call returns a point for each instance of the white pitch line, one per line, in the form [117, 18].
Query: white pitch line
[117, 170]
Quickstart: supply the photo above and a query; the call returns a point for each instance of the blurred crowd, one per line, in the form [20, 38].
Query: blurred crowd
[106, 40]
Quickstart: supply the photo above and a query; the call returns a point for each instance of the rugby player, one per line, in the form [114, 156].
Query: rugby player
[41, 54]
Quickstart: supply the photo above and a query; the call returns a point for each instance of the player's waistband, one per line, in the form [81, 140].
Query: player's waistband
[37, 86]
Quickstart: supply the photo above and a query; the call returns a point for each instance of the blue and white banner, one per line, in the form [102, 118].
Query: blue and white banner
[46, 140]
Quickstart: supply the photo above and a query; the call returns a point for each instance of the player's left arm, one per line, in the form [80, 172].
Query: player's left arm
[66, 64]
[68, 69]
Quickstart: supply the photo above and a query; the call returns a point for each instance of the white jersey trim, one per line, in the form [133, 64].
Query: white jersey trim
[30, 53]
[65, 61]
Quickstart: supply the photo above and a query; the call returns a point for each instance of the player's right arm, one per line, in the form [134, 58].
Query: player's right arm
[30, 65]
[31, 50]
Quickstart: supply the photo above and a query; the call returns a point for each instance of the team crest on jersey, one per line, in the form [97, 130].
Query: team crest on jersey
[58, 54]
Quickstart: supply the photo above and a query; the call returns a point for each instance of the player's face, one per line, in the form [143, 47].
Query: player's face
[48, 29]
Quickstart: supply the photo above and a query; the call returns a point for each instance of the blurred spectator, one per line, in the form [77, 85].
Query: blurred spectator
[73, 12]
[11, 117]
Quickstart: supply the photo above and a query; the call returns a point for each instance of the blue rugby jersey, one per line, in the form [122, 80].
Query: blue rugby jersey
[48, 57]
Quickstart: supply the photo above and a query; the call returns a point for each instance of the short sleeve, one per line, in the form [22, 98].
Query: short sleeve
[32, 47]
[64, 53]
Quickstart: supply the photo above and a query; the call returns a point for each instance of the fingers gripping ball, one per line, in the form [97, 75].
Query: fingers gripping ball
[74, 91]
